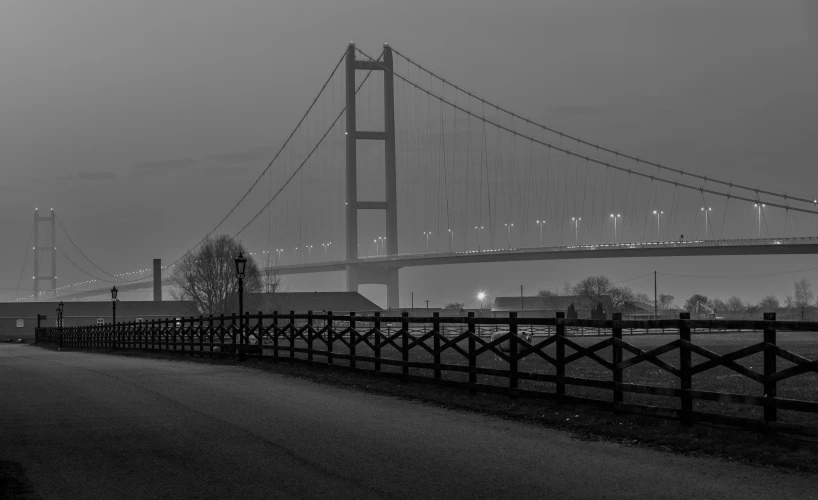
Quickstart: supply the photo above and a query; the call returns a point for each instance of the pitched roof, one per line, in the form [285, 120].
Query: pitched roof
[310, 301]
[635, 305]
[551, 303]
[170, 308]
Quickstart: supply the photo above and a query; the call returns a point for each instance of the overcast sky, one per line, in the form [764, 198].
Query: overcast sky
[104, 106]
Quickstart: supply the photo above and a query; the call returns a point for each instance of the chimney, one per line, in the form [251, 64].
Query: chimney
[157, 280]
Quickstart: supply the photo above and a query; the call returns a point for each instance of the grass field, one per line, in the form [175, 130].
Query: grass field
[720, 379]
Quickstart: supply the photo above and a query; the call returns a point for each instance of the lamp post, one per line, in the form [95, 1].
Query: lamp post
[615, 218]
[480, 297]
[540, 223]
[241, 262]
[451, 240]
[657, 213]
[427, 233]
[759, 207]
[509, 226]
[478, 228]
[576, 229]
[706, 211]
[60, 307]
[114, 291]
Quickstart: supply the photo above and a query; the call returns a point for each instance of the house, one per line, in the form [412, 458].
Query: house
[636, 310]
[318, 302]
[547, 307]
[18, 319]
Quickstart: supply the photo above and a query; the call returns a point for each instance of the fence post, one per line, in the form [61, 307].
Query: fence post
[275, 335]
[472, 357]
[560, 343]
[513, 380]
[404, 325]
[309, 336]
[436, 330]
[686, 381]
[617, 357]
[292, 334]
[377, 350]
[770, 412]
[330, 334]
[352, 340]
[260, 333]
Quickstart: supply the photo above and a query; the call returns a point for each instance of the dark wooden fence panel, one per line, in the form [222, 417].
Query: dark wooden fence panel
[453, 343]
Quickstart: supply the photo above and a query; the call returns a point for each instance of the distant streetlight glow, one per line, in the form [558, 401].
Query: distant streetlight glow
[658, 213]
[759, 207]
[706, 219]
[615, 218]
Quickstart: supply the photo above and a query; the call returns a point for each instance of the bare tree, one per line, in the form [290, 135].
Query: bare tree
[769, 303]
[694, 299]
[643, 297]
[546, 293]
[789, 303]
[597, 288]
[455, 305]
[665, 301]
[270, 287]
[593, 288]
[207, 276]
[803, 293]
[735, 305]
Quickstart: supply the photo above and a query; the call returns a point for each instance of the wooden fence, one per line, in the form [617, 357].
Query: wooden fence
[415, 348]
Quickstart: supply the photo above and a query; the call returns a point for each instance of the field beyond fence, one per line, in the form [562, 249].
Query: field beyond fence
[761, 375]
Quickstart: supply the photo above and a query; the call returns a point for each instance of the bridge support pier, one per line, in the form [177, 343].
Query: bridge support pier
[389, 276]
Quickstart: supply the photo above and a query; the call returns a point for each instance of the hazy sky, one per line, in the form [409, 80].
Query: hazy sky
[142, 122]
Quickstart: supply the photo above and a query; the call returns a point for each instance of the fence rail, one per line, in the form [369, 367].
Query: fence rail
[521, 357]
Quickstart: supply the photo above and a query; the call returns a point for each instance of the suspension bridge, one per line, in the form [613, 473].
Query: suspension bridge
[392, 165]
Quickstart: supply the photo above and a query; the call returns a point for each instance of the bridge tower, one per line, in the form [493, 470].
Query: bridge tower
[50, 249]
[357, 275]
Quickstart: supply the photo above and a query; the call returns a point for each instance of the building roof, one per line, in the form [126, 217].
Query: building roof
[170, 308]
[551, 303]
[309, 301]
[635, 305]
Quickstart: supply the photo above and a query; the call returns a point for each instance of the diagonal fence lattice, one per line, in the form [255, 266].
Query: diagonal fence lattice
[698, 376]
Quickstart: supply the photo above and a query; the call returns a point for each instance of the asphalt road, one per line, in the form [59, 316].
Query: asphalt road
[96, 426]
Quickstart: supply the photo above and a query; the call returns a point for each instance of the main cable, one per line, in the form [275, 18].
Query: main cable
[594, 160]
[603, 148]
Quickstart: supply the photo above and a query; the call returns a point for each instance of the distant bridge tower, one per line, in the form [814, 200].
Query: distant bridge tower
[50, 249]
[356, 275]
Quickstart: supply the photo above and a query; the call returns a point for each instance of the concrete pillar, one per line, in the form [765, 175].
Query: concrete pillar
[392, 289]
[157, 280]
[391, 176]
[351, 161]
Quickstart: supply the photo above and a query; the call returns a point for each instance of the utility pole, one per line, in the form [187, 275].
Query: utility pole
[655, 303]
[413, 300]
[427, 304]
[522, 304]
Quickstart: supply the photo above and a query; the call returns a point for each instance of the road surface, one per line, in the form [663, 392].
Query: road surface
[96, 426]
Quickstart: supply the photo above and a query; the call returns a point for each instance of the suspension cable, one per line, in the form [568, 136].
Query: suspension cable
[603, 148]
[594, 160]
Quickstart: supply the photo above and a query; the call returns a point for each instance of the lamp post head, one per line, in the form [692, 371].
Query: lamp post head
[114, 291]
[481, 296]
[241, 262]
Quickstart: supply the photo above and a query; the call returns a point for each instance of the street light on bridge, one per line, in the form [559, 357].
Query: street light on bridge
[706, 219]
[658, 213]
[427, 234]
[451, 240]
[576, 229]
[615, 218]
[509, 226]
[541, 223]
[478, 229]
[759, 207]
